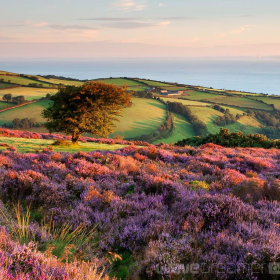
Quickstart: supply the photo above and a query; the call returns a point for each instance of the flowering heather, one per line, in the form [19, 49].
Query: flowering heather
[165, 206]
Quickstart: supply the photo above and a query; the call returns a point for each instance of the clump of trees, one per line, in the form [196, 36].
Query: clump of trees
[25, 123]
[219, 108]
[226, 119]
[237, 139]
[91, 108]
[37, 85]
[143, 94]
[15, 99]
[268, 119]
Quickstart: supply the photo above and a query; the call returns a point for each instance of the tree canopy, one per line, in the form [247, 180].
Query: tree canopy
[91, 108]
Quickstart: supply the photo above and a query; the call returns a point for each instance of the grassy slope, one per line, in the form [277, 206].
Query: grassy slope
[173, 88]
[57, 81]
[5, 104]
[137, 88]
[229, 100]
[121, 82]
[185, 102]
[154, 84]
[22, 81]
[31, 145]
[28, 93]
[269, 100]
[241, 102]
[183, 129]
[208, 115]
[198, 95]
[4, 85]
[28, 111]
[143, 117]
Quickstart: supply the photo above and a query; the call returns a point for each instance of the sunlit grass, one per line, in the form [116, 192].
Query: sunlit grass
[24, 145]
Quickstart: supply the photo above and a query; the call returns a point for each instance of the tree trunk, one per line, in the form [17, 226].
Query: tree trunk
[76, 137]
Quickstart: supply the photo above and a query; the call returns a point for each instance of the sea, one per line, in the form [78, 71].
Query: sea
[257, 75]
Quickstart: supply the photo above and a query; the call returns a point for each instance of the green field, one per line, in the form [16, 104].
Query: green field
[31, 145]
[5, 104]
[185, 101]
[28, 93]
[183, 129]
[146, 115]
[208, 115]
[22, 81]
[33, 110]
[173, 88]
[138, 88]
[57, 81]
[121, 82]
[269, 100]
[240, 102]
[199, 95]
[143, 117]
[154, 83]
[5, 85]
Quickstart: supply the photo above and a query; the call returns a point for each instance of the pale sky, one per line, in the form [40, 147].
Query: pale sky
[136, 28]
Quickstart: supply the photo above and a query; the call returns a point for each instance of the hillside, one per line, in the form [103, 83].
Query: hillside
[234, 110]
[132, 206]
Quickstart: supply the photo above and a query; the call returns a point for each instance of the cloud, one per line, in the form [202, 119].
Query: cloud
[30, 23]
[162, 5]
[135, 25]
[238, 31]
[176, 18]
[242, 29]
[71, 27]
[110, 19]
[164, 23]
[130, 5]
[130, 19]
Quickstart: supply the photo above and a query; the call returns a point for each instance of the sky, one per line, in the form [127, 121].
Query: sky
[136, 28]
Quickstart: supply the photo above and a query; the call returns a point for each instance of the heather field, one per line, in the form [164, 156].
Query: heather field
[139, 212]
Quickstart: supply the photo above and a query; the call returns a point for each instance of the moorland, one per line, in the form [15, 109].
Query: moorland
[132, 206]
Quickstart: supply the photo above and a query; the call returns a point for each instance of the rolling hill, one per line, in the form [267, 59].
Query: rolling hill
[250, 113]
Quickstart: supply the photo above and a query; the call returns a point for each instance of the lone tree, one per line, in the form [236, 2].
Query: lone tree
[91, 108]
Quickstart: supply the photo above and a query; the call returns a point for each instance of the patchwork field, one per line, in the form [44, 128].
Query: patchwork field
[22, 81]
[147, 115]
[229, 100]
[33, 110]
[269, 100]
[208, 115]
[28, 93]
[57, 81]
[185, 102]
[154, 83]
[121, 82]
[240, 102]
[173, 88]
